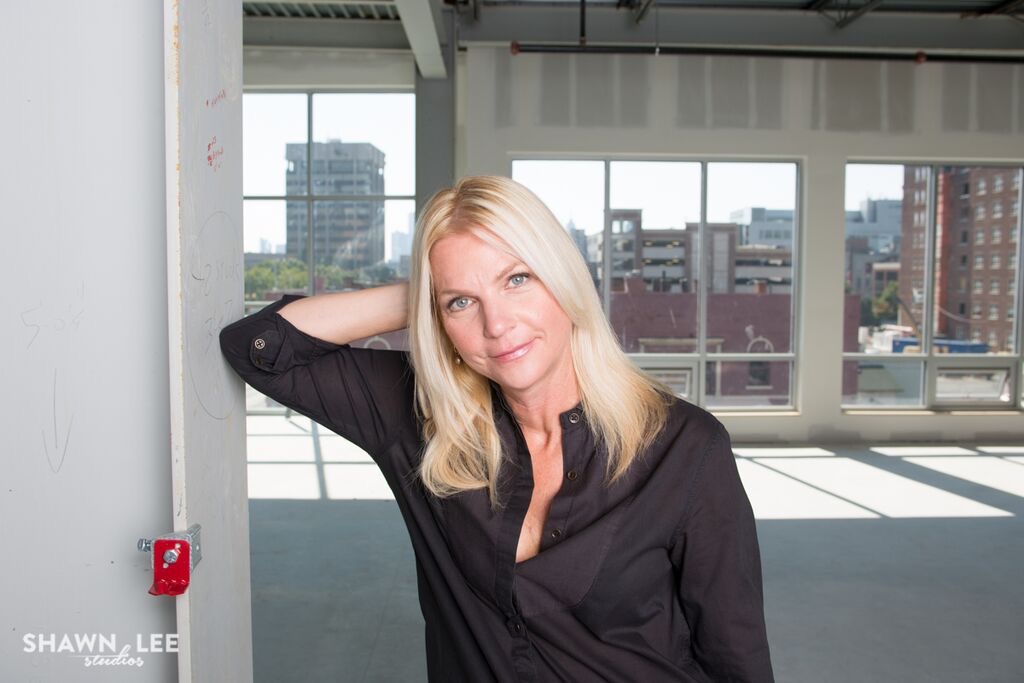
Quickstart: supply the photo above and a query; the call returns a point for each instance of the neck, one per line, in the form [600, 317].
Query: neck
[538, 409]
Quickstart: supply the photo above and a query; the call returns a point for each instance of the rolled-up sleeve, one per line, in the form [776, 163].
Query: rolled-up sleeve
[718, 560]
[365, 395]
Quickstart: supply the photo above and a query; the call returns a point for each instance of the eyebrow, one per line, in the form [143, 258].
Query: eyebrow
[501, 276]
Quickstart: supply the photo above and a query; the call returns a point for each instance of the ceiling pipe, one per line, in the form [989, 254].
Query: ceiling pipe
[919, 57]
[583, 22]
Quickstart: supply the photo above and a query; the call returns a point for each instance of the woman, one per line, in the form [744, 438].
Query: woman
[572, 520]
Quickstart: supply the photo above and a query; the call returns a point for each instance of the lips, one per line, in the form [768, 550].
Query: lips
[513, 353]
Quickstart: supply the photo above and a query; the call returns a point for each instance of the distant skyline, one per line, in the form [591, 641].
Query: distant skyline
[668, 192]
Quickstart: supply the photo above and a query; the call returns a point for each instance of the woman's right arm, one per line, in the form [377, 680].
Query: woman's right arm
[342, 317]
[297, 352]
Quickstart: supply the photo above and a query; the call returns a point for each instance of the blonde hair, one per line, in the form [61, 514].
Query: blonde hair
[625, 408]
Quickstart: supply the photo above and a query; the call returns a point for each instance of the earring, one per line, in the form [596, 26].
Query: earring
[458, 359]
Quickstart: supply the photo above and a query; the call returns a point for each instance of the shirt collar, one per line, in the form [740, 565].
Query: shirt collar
[570, 419]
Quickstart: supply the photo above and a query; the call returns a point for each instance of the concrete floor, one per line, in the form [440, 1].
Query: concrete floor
[879, 564]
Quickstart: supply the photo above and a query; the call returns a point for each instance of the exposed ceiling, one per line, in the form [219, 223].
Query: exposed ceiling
[951, 30]
[386, 9]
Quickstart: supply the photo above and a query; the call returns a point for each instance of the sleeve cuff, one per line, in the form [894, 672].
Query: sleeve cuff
[278, 345]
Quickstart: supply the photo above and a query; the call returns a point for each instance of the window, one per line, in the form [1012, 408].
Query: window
[343, 221]
[892, 353]
[647, 257]
[993, 339]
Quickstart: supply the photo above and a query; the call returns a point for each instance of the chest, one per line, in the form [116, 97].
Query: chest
[546, 542]
[548, 468]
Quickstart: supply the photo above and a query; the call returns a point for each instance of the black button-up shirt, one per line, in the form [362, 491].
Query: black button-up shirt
[656, 578]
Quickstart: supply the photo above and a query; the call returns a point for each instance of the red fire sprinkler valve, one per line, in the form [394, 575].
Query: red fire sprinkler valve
[175, 556]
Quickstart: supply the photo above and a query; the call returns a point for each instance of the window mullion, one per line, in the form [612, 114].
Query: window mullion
[1018, 298]
[703, 261]
[309, 193]
[606, 251]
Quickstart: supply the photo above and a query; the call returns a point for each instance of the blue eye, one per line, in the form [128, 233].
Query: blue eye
[519, 279]
[458, 303]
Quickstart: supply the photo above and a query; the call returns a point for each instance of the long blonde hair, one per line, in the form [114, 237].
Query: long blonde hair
[625, 408]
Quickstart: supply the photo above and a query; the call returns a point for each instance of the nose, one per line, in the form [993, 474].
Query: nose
[498, 319]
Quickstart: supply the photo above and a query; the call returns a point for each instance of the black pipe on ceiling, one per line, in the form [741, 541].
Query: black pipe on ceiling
[583, 22]
[919, 57]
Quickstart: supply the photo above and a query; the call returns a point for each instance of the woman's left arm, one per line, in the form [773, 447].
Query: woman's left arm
[716, 554]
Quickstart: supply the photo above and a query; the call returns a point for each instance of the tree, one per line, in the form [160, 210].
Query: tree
[379, 274]
[334, 276]
[275, 275]
[867, 314]
[886, 306]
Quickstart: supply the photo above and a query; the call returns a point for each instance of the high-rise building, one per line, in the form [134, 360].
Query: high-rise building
[912, 249]
[976, 246]
[347, 233]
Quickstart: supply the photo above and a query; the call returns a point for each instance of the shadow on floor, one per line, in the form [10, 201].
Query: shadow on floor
[333, 593]
[847, 601]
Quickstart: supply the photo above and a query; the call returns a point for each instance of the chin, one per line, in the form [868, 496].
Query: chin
[516, 379]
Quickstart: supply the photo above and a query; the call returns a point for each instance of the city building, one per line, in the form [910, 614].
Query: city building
[348, 233]
[764, 227]
[975, 254]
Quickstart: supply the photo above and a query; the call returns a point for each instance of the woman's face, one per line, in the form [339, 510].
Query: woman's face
[502, 320]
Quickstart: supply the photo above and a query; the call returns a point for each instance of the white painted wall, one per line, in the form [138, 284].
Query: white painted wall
[85, 469]
[822, 114]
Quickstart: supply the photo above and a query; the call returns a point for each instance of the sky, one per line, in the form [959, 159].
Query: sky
[668, 192]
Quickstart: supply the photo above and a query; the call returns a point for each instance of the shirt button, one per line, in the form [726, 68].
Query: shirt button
[572, 474]
[556, 533]
[259, 343]
[574, 417]
[515, 627]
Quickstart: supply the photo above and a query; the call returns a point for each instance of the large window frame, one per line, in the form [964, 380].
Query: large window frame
[309, 197]
[934, 364]
[693, 367]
